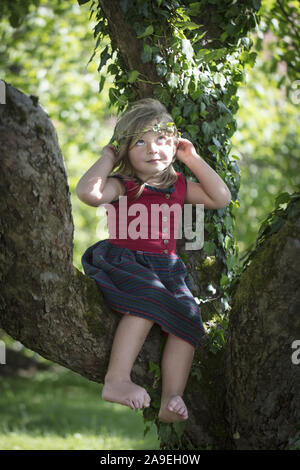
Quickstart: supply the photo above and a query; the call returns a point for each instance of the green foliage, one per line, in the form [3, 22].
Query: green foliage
[266, 146]
[17, 11]
[281, 21]
[58, 409]
[216, 329]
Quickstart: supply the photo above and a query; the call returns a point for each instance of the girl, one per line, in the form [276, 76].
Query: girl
[143, 277]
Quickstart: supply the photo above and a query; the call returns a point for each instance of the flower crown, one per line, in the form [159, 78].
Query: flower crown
[167, 128]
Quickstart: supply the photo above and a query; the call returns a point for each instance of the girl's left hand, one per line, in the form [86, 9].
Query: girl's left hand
[185, 150]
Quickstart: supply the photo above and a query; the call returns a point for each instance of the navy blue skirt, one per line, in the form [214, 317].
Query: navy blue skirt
[149, 285]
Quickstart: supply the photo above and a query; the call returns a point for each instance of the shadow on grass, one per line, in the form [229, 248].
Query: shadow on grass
[63, 403]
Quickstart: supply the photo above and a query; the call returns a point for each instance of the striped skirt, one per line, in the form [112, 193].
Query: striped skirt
[149, 285]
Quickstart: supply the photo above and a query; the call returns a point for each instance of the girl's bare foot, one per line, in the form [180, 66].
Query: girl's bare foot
[172, 410]
[125, 392]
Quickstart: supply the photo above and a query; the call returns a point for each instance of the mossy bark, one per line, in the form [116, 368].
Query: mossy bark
[263, 384]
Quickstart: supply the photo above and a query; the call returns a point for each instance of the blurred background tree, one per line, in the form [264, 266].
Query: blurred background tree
[267, 141]
[267, 145]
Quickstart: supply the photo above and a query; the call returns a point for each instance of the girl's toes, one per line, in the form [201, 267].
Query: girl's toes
[174, 405]
[147, 401]
[183, 412]
[177, 406]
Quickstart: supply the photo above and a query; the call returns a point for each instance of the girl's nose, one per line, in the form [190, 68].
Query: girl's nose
[151, 146]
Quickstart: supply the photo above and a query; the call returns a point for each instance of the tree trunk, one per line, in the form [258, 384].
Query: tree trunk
[123, 38]
[263, 382]
[46, 303]
[247, 395]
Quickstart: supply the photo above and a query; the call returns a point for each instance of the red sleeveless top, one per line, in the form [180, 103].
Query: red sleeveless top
[152, 222]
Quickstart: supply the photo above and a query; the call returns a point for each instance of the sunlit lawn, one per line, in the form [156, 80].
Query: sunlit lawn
[59, 409]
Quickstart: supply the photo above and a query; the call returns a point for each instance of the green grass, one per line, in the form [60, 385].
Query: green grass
[58, 409]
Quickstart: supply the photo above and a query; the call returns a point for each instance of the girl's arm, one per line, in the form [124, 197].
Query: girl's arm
[94, 188]
[211, 189]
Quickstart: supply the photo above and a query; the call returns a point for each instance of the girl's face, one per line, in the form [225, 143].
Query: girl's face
[152, 153]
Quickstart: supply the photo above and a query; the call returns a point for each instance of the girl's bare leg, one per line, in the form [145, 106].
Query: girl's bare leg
[176, 365]
[128, 341]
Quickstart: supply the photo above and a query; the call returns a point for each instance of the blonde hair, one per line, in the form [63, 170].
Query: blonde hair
[139, 117]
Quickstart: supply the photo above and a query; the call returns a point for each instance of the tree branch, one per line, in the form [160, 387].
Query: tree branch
[45, 303]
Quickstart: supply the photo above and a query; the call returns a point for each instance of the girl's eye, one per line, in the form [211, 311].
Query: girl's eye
[161, 138]
[140, 142]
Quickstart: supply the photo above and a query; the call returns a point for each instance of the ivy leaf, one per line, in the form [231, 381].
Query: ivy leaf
[101, 84]
[155, 369]
[148, 31]
[217, 143]
[115, 96]
[225, 281]
[193, 130]
[187, 49]
[222, 108]
[206, 129]
[146, 55]
[209, 248]
[104, 58]
[179, 428]
[132, 76]
[113, 69]
[219, 79]
[282, 198]
[189, 25]
[173, 80]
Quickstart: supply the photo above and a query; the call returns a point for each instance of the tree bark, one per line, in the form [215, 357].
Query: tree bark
[46, 303]
[263, 383]
[123, 38]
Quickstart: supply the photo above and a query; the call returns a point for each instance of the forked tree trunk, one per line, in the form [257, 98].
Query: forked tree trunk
[247, 395]
[46, 303]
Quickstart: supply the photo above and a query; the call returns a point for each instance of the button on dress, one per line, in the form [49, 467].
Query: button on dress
[144, 276]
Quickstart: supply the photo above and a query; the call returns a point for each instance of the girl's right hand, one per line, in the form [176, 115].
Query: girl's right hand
[110, 151]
